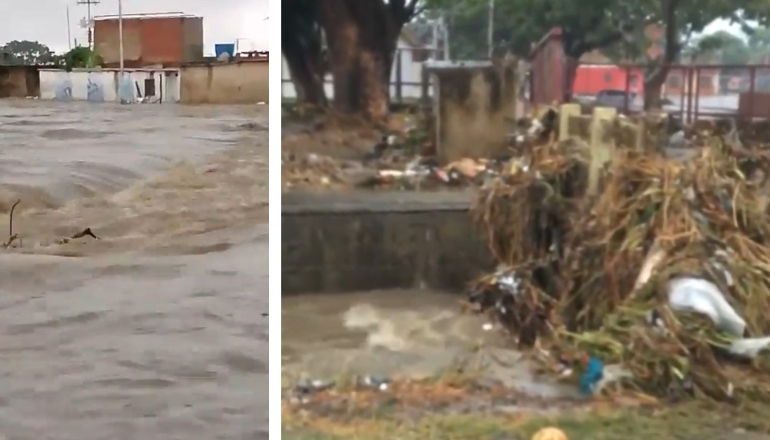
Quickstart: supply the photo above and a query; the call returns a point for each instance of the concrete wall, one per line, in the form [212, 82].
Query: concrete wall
[237, 82]
[472, 105]
[98, 85]
[362, 241]
[19, 81]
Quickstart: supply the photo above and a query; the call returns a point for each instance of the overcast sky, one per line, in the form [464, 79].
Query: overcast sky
[223, 20]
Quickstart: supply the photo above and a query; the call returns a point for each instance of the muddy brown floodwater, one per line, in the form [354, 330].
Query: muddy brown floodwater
[405, 334]
[154, 331]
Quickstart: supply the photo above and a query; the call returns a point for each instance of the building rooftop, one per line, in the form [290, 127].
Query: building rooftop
[144, 16]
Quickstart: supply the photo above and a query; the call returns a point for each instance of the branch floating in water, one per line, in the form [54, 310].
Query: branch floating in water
[11, 236]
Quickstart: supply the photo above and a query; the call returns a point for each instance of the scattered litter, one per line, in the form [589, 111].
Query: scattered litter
[376, 382]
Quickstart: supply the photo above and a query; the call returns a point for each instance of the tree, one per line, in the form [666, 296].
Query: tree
[604, 24]
[81, 57]
[720, 47]
[27, 53]
[520, 23]
[362, 37]
[759, 38]
[302, 46]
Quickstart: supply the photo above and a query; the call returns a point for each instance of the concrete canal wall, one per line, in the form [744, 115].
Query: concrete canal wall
[361, 241]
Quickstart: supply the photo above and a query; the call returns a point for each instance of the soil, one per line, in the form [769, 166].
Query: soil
[446, 410]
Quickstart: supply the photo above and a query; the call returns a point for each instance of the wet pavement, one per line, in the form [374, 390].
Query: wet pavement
[153, 331]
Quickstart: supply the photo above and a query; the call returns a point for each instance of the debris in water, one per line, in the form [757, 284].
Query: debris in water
[85, 232]
[11, 236]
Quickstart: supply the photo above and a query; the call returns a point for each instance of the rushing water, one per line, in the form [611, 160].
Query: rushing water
[413, 334]
[154, 330]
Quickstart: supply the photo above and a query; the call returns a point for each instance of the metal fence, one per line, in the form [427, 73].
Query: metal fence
[692, 91]
[406, 78]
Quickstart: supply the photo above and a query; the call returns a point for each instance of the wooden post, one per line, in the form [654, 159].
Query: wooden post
[641, 133]
[602, 147]
[566, 111]
[425, 85]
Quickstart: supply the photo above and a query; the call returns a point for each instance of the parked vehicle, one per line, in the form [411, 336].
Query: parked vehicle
[619, 99]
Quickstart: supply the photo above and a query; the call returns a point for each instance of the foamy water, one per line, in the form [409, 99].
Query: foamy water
[154, 330]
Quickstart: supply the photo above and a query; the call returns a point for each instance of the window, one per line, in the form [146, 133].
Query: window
[149, 87]
[633, 81]
[607, 77]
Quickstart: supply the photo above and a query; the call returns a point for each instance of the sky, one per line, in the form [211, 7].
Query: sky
[724, 25]
[223, 20]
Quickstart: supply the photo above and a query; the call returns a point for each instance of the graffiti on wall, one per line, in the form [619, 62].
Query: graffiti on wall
[95, 91]
[63, 90]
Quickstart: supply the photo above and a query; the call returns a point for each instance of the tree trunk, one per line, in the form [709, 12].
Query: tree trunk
[575, 46]
[653, 83]
[362, 40]
[570, 74]
[307, 78]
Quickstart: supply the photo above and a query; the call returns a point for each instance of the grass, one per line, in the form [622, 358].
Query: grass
[693, 420]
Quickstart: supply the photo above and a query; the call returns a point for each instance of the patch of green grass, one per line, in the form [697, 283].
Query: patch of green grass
[685, 422]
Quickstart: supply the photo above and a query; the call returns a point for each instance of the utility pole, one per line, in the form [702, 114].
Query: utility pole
[88, 4]
[491, 28]
[120, 35]
[445, 33]
[434, 37]
[69, 31]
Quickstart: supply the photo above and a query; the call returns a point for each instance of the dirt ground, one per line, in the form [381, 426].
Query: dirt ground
[318, 151]
[441, 410]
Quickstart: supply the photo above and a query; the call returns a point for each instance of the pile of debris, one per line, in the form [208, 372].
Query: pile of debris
[388, 165]
[664, 271]
[406, 160]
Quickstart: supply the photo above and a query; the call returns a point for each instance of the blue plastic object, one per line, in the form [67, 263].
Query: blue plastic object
[591, 376]
[228, 48]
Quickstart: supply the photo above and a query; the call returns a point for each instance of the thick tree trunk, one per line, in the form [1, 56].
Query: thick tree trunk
[362, 42]
[306, 76]
[570, 73]
[653, 88]
[653, 82]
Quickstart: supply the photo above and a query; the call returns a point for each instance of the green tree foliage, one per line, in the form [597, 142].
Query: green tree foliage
[587, 26]
[720, 47]
[520, 23]
[26, 53]
[81, 57]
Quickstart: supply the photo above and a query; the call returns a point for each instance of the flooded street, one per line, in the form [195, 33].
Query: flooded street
[414, 334]
[152, 331]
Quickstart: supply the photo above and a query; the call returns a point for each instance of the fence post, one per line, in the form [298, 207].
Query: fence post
[600, 143]
[566, 111]
[696, 107]
[399, 79]
[425, 83]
